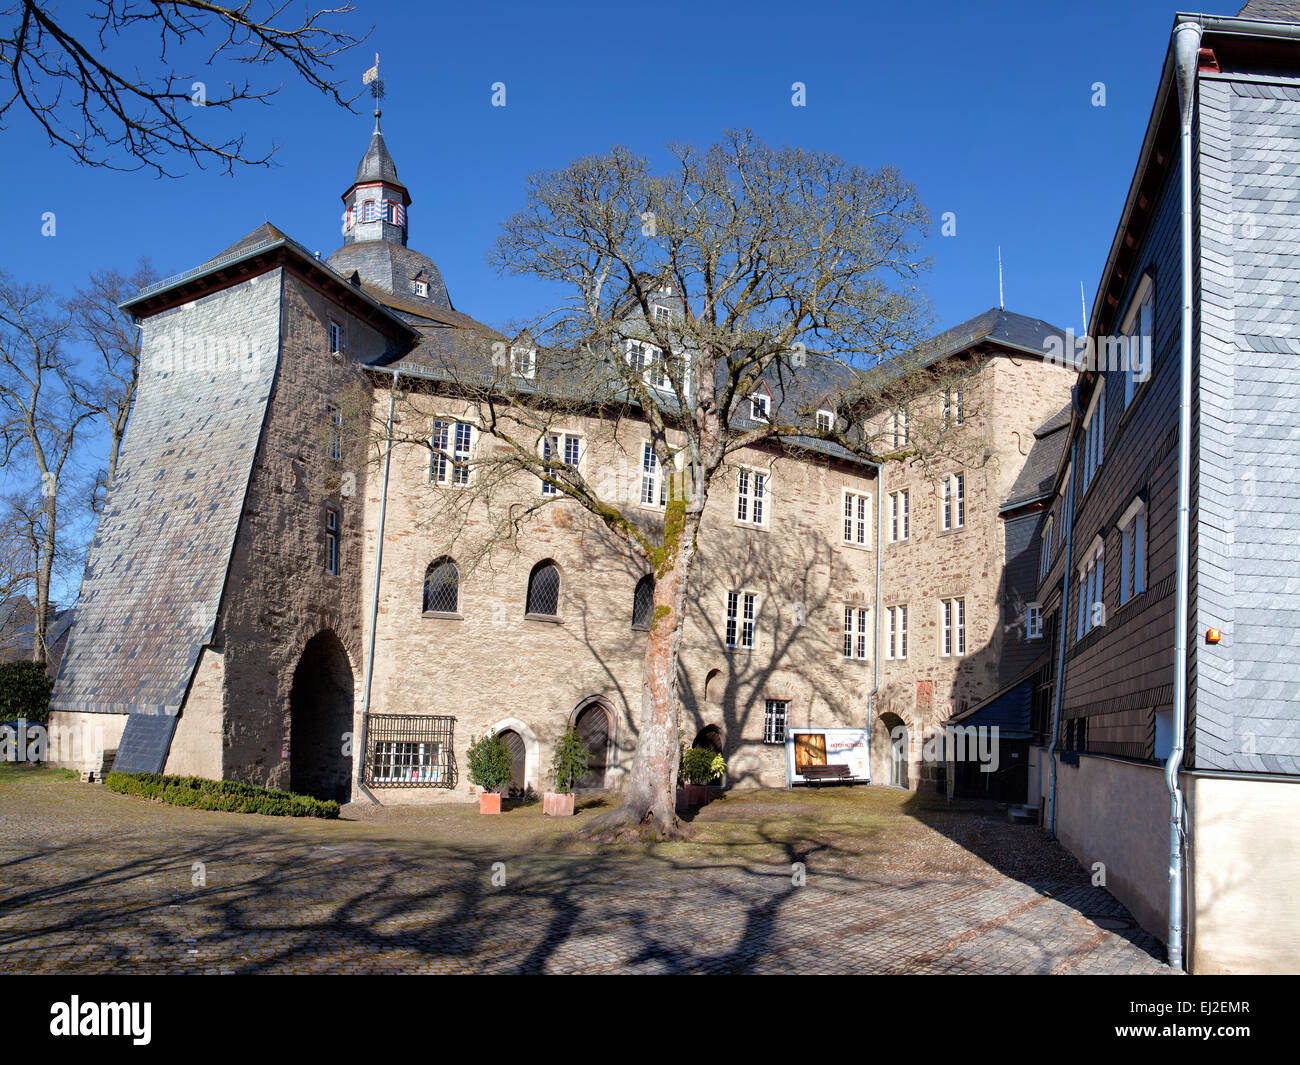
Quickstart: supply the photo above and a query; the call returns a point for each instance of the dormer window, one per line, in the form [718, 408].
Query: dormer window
[661, 313]
[759, 405]
[422, 288]
[523, 363]
[825, 420]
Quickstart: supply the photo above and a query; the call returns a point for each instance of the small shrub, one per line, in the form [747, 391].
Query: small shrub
[228, 796]
[488, 759]
[571, 762]
[25, 689]
[702, 766]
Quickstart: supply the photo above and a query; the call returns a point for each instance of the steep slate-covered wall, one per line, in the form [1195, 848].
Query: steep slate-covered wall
[1247, 445]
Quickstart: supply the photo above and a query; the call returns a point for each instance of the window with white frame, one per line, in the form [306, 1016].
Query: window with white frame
[751, 496]
[1133, 551]
[647, 362]
[332, 541]
[1034, 621]
[563, 448]
[855, 632]
[1139, 339]
[1094, 432]
[452, 443]
[661, 313]
[760, 403]
[653, 482]
[422, 288]
[954, 501]
[404, 762]
[952, 627]
[896, 644]
[954, 408]
[1092, 608]
[1064, 504]
[742, 614]
[336, 338]
[1045, 553]
[857, 519]
[900, 431]
[335, 446]
[900, 515]
[775, 713]
[825, 420]
[523, 363]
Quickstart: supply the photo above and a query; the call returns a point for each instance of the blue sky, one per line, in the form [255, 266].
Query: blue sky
[987, 108]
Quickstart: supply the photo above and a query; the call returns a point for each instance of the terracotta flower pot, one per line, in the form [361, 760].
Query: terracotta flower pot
[489, 802]
[557, 804]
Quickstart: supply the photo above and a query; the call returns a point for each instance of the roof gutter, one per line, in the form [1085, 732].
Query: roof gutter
[1187, 43]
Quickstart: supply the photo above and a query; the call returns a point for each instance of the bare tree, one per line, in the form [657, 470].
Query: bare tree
[115, 336]
[41, 416]
[69, 71]
[742, 271]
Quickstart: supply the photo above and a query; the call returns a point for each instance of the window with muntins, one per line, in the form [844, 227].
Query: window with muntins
[332, 541]
[335, 447]
[857, 519]
[954, 408]
[896, 645]
[442, 587]
[643, 602]
[751, 496]
[653, 483]
[952, 617]
[565, 448]
[1094, 431]
[1133, 551]
[1092, 608]
[900, 507]
[1139, 336]
[1045, 552]
[451, 444]
[411, 751]
[544, 590]
[954, 501]
[775, 714]
[1033, 621]
[855, 632]
[742, 609]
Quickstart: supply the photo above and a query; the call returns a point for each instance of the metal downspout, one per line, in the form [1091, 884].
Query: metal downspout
[362, 747]
[875, 654]
[1187, 43]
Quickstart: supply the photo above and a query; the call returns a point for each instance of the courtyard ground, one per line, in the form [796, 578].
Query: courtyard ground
[892, 882]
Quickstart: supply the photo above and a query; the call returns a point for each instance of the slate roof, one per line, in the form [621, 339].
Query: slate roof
[997, 325]
[1007, 710]
[391, 268]
[377, 164]
[1039, 471]
[1272, 10]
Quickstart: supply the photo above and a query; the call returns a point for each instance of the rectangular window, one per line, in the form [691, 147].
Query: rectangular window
[954, 501]
[661, 313]
[451, 444]
[336, 338]
[523, 363]
[335, 446]
[332, 541]
[652, 479]
[953, 625]
[855, 632]
[1034, 622]
[900, 507]
[1139, 340]
[897, 644]
[422, 288]
[775, 712]
[857, 519]
[742, 608]
[899, 429]
[411, 751]
[563, 448]
[751, 493]
[759, 405]
[1091, 612]
[369, 211]
[1133, 550]
[954, 408]
[825, 420]
[647, 362]
[1045, 553]
[1094, 431]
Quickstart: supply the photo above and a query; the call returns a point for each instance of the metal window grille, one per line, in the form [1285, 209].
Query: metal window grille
[774, 717]
[332, 542]
[643, 602]
[544, 590]
[442, 587]
[411, 751]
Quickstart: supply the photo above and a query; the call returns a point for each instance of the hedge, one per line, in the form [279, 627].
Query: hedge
[229, 796]
[25, 692]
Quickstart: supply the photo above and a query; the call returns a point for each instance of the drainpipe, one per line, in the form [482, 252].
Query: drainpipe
[880, 550]
[1063, 626]
[1187, 43]
[374, 609]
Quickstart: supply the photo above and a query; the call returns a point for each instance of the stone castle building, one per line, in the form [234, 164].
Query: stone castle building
[265, 602]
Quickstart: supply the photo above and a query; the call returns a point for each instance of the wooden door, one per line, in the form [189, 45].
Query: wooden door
[593, 726]
[515, 745]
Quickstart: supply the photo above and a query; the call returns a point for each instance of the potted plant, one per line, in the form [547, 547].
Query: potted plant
[488, 759]
[568, 766]
[700, 766]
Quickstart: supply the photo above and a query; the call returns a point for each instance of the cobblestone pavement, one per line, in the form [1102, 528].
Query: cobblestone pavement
[91, 881]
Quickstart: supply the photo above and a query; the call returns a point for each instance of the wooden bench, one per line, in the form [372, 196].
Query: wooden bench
[819, 773]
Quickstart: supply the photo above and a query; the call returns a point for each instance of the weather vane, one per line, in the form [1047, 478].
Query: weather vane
[371, 78]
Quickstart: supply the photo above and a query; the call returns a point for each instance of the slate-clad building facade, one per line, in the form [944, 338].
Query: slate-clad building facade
[1106, 706]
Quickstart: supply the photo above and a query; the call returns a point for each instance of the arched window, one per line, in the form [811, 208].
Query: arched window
[643, 602]
[441, 587]
[544, 589]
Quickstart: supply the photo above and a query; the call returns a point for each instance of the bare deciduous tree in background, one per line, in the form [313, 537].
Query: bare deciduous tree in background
[77, 76]
[767, 261]
[41, 417]
[115, 336]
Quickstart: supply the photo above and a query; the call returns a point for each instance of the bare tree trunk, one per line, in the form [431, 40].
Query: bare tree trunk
[44, 571]
[649, 808]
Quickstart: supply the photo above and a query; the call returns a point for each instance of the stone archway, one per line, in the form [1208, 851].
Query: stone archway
[320, 717]
[891, 751]
[524, 776]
